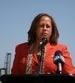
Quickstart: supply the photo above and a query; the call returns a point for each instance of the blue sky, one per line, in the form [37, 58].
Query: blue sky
[16, 17]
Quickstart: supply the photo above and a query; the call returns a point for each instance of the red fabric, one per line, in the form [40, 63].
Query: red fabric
[19, 63]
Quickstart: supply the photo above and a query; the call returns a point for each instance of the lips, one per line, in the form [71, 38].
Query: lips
[45, 34]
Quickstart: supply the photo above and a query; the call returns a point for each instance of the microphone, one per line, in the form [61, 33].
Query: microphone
[59, 60]
[43, 42]
[42, 51]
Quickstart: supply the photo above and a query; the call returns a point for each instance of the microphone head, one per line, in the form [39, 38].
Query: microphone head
[58, 57]
[44, 41]
[58, 52]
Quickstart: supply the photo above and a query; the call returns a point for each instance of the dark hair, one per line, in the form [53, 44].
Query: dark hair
[32, 33]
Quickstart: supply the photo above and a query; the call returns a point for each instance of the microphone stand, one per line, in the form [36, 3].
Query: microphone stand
[41, 58]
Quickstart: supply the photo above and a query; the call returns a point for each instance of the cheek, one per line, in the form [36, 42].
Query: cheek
[50, 32]
[38, 32]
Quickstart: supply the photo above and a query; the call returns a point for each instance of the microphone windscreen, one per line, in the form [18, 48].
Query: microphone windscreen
[44, 41]
[58, 57]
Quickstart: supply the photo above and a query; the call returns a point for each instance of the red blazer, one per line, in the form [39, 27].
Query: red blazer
[21, 51]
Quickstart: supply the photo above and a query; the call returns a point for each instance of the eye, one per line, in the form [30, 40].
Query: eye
[41, 26]
[48, 26]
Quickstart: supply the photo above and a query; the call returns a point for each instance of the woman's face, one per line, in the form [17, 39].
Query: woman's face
[44, 28]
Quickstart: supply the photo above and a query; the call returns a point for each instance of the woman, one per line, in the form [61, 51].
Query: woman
[27, 56]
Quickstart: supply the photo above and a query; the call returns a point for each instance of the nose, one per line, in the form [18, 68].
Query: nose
[44, 27]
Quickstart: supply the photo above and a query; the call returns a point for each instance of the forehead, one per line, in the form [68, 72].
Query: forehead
[45, 18]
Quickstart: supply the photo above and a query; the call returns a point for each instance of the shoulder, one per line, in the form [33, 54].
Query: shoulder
[61, 46]
[22, 46]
